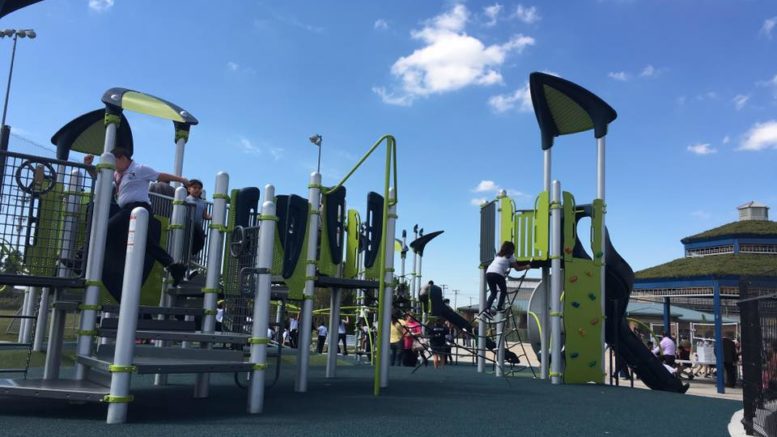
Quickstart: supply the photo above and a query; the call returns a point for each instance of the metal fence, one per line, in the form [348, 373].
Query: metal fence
[758, 306]
[240, 280]
[43, 218]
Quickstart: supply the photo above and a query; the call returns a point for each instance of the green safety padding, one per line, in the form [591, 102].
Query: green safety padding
[541, 226]
[296, 282]
[583, 320]
[523, 230]
[596, 230]
[352, 245]
[42, 246]
[569, 226]
[332, 232]
[506, 211]
[151, 291]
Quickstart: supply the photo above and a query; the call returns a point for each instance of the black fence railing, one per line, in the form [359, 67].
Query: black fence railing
[758, 306]
[43, 218]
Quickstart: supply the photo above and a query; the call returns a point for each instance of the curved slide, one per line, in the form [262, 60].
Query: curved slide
[440, 309]
[619, 282]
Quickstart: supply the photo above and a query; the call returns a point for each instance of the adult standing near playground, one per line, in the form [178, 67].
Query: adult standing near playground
[322, 333]
[496, 275]
[342, 336]
[132, 179]
[668, 349]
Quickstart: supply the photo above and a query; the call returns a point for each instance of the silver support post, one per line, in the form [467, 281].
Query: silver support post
[56, 330]
[210, 292]
[261, 314]
[43, 320]
[556, 281]
[499, 319]
[600, 179]
[96, 257]
[334, 324]
[178, 218]
[388, 291]
[28, 310]
[413, 289]
[306, 325]
[122, 367]
[481, 343]
[180, 145]
[545, 314]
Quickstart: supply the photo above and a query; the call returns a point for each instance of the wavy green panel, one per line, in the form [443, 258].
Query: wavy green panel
[582, 322]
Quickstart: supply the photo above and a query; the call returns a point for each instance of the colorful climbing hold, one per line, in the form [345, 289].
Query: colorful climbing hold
[594, 322]
[573, 279]
[592, 364]
[592, 296]
[581, 331]
[574, 355]
[589, 274]
[567, 250]
[576, 304]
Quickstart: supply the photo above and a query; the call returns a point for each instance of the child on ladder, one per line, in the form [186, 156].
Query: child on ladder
[496, 276]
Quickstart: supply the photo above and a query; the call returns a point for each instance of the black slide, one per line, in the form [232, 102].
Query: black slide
[440, 309]
[618, 285]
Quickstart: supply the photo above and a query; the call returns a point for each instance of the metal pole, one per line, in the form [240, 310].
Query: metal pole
[306, 325]
[262, 303]
[122, 367]
[499, 319]
[556, 282]
[481, 345]
[10, 75]
[210, 292]
[180, 145]
[545, 301]
[720, 371]
[388, 291]
[334, 324]
[600, 191]
[96, 257]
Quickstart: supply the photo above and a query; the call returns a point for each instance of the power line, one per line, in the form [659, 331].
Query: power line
[33, 143]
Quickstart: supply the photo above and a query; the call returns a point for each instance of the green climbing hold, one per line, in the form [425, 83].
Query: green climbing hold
[592, 364]
[574, 355]
[576, 304]
[591, 296]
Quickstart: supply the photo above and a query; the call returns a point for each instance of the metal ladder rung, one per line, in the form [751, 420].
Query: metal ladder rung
[15, 345]
[6, 316]
[13, 371]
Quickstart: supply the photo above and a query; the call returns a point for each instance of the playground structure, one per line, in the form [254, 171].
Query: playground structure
[580, 303]
[274, 253]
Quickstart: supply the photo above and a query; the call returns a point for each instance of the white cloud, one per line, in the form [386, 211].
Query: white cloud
[702, 215]
[486, 186]
[726, 139]
[505, 102]
[619, 75]
[709, 95]
[761, 136]
[649, 71]
[768, 26]
[702, 149]
[450, 60]
[528, 15]
[248, 147]
[277, 152]
[771, 83]
[478, 201]
[100, 5]
[492, 13]
[233, 66]
[740, 100]
[381, 24]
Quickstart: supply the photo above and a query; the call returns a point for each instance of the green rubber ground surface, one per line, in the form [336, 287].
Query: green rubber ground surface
[454, 401]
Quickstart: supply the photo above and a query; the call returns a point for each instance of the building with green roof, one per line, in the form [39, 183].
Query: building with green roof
[716, 262]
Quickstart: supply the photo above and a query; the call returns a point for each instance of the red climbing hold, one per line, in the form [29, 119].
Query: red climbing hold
[573, 279]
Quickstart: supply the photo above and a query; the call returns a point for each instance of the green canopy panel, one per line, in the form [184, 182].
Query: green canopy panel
[147, 104]
[351, 269]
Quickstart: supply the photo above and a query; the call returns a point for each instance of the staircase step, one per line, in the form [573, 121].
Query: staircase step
[54, 389]
[196, 336]
[150, 359]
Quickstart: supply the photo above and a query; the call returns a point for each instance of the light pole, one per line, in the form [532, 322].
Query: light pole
[316, 139]
[15, 33]
[455, 299]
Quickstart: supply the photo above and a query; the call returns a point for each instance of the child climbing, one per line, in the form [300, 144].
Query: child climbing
[496, 276]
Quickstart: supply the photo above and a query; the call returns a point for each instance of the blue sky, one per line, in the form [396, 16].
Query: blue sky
[694, 84]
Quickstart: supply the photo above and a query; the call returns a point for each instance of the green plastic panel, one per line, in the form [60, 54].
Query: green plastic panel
[230, 284]
[541, 226]
[326, 265]
[523, 229]
[150, 105]
[569, 226]
[506, 211]
[151, 291]
[596, 230]
[352, 245]
[42, 256]
[568, 115]
[582, 322]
